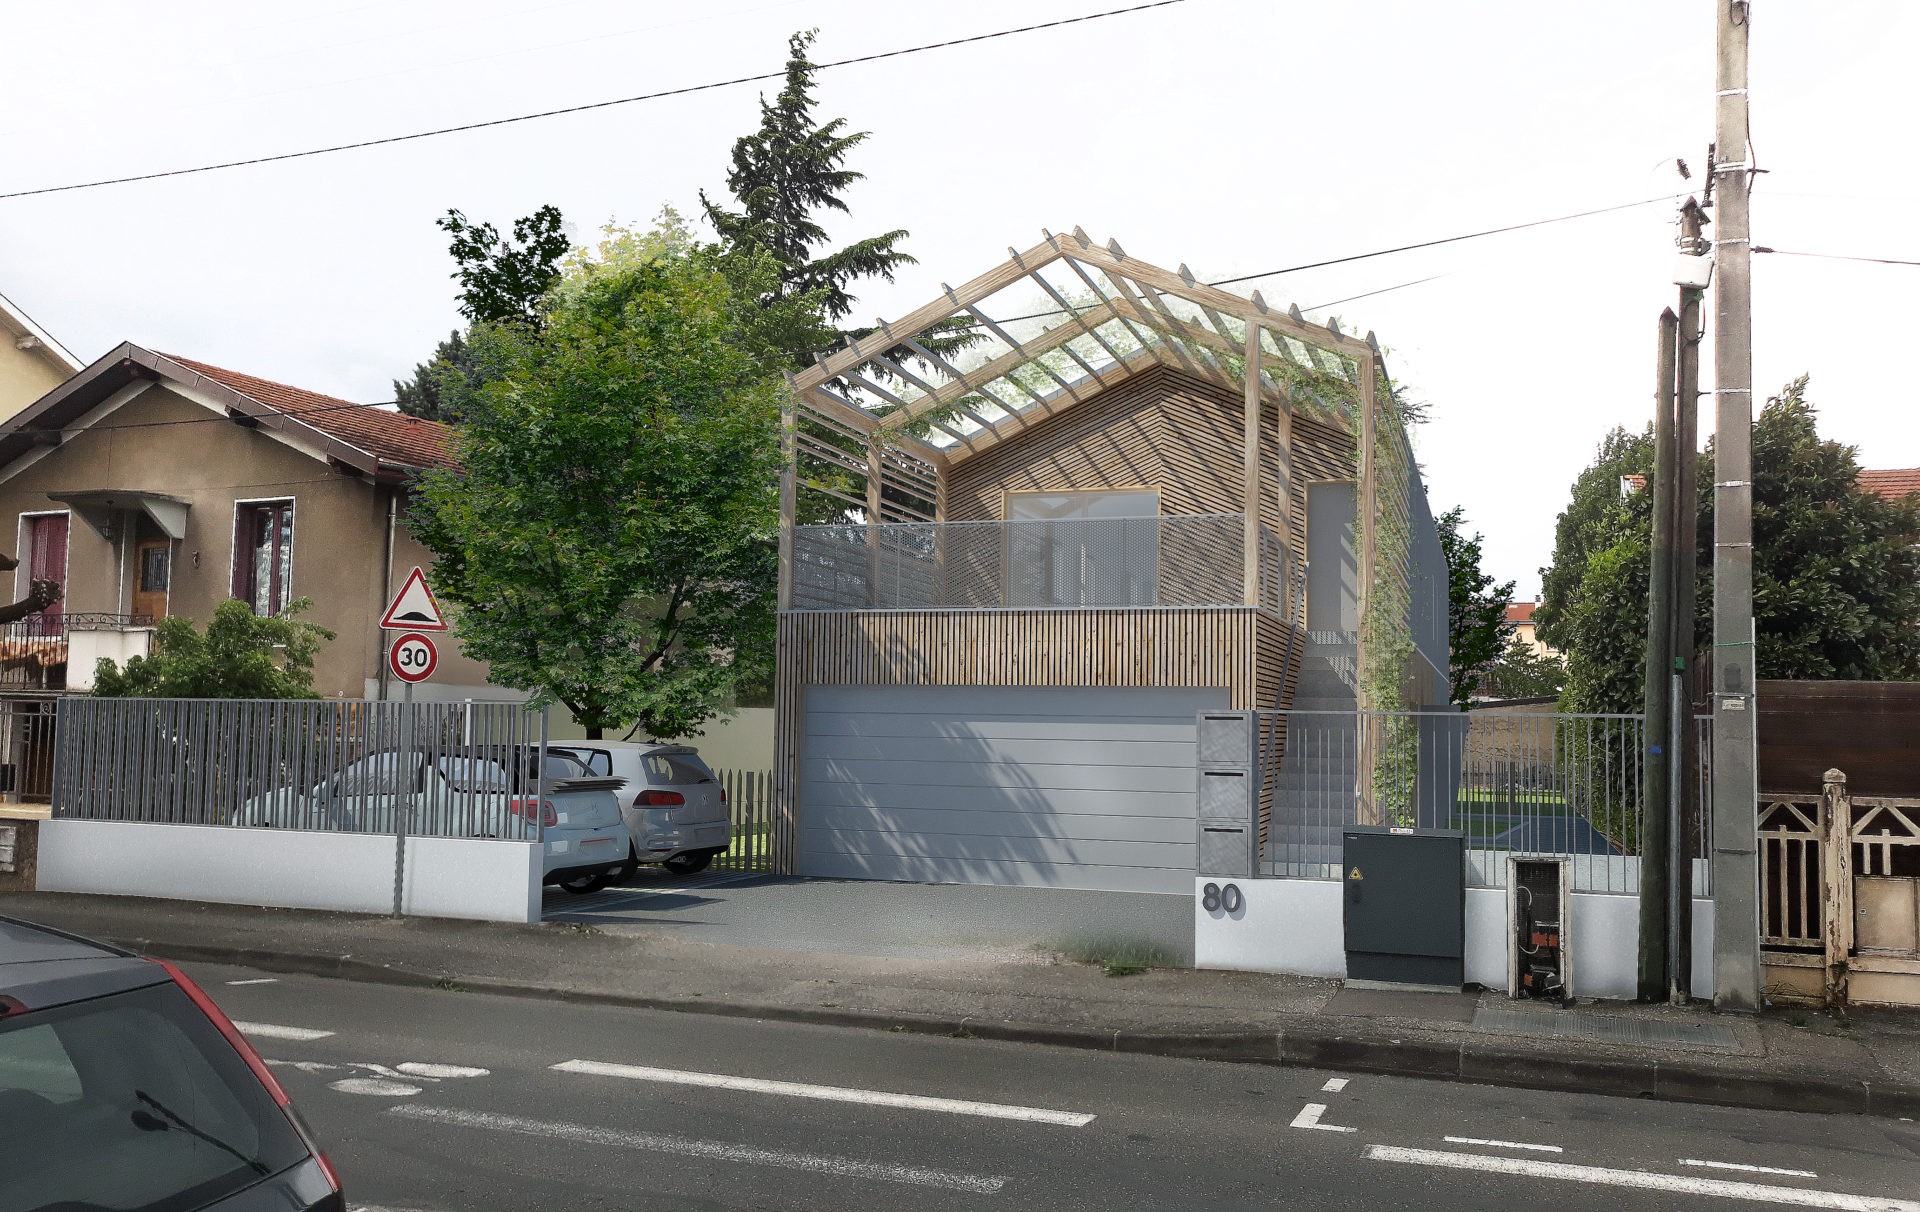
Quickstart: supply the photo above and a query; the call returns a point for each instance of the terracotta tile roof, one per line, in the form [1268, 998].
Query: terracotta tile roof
[1520, 613]
[1892, 483]
[391, 437]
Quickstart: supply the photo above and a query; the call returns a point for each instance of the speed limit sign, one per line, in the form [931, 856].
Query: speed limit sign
[412, 657]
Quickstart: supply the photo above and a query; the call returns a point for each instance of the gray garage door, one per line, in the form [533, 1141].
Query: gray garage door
[984, 785]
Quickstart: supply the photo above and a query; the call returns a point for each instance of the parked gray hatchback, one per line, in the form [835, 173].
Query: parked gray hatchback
[123, 1087]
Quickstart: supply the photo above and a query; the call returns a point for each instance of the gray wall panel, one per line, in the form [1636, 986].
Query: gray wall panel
[1074, 788]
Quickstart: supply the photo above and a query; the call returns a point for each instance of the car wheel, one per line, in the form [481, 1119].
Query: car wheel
[582, 885]
[689, 864]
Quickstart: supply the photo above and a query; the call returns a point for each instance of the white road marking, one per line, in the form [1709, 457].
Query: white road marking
[1714, 1165]
[1309, 1117]
[305, 1066]
[1334, 1085]
[844, 1167]
[263, 980]
[841, 1094]
[436, 1072]
[379, 1087]
[1643, 1179]
[1501, 1144]
[273, 1031]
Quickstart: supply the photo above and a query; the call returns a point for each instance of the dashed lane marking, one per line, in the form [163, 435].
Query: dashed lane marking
[1334, 1085]
[436, 1072]
[842, 1094]
[275, 1031]
[1309, 1117]
[1719, 1165]
[653, 1142]
[1645, 1180]
[259, 980]
[1501, 1144]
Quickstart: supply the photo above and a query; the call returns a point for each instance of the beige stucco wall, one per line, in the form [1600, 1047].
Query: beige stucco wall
[25, 375]
[339, 529]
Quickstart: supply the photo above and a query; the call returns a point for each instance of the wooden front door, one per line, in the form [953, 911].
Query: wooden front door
[152, 571]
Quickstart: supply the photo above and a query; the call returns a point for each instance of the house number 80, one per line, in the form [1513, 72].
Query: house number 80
[1217, 897]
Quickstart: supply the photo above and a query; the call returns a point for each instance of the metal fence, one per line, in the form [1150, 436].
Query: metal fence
[1512, 782]
[750, 806]
[1193, 560]
[427, 769]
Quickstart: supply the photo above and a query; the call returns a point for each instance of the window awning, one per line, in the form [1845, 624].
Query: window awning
[102, 509]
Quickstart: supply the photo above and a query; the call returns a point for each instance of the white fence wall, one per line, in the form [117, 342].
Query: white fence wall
[293, 869]
[1298, 927]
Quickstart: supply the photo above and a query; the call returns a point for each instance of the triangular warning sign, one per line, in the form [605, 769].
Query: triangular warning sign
[413, 608]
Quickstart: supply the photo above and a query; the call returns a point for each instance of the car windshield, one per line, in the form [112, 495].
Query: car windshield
[131, 1102]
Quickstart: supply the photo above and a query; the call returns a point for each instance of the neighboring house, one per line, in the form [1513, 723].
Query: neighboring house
[1520, 626]
[31, 362]
[150, 485]
[1892, 483]
[1009, 584]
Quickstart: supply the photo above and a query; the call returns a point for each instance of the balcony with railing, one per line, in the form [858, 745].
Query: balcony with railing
[1051, 564]
[55, 653]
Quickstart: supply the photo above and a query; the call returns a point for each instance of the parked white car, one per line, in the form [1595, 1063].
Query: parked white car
[675, 809]
[474, 794]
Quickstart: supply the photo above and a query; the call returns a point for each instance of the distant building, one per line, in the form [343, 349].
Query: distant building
[32, 363]
[1520, 625]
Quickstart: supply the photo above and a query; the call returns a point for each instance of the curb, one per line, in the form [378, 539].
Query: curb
[1485, 1063]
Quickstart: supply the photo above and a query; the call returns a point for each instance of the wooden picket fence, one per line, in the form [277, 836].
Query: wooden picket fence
[750, 803]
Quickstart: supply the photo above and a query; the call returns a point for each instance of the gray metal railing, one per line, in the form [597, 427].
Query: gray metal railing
[1513, 782]
[432, 769]
[1189, 560]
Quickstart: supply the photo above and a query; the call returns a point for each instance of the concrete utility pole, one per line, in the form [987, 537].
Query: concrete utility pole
[1656, 784]
[1683, 784]
[1736, 909]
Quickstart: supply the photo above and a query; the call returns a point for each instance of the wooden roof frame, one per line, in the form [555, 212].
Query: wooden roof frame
[1191, 346]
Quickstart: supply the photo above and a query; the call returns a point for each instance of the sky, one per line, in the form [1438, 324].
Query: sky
[1237, 136]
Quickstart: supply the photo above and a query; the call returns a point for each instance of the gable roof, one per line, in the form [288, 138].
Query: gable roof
[357, 438]
[1892, 483]
[18, 327]
[1520, 614]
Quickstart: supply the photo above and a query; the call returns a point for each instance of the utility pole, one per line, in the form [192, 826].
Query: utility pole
[1654, 815]
[1736, 909]
[1683, 790]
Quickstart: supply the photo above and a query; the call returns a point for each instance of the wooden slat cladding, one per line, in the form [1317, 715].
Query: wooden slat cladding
[1158, 429]
[1252, 653]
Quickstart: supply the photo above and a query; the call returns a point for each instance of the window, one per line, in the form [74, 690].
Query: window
[1083, 548]
[263, 554]
[675, 769]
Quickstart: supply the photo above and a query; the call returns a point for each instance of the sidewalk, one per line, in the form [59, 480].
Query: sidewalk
[1782, 1060]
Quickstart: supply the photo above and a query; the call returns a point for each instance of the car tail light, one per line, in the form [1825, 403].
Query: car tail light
[231, 1033]
[723, 795]
[549, 816]
[658, 799]
[10, 1006]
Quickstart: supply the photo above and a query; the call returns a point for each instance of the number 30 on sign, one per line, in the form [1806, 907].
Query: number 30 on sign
[412, 657]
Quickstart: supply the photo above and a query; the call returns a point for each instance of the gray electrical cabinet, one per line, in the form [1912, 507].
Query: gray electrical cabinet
[1406, 904]
[1227, 799]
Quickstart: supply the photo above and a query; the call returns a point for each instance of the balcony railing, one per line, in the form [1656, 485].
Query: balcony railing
[36, 652]
[1194, 560]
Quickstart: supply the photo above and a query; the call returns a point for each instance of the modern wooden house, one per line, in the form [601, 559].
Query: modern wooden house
[1031, 529]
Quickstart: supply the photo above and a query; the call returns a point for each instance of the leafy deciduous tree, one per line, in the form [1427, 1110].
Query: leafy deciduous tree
[609, 534]
[1476, 608]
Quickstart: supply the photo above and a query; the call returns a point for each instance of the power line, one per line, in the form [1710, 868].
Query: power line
[576, 109]
[1788, 252]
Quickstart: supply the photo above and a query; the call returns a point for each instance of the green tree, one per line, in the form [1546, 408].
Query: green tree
[1836, 571]
[1521, 673]
[784, 178]
[241, 656]
[1476, 608]
[608, 536]
[502, 281]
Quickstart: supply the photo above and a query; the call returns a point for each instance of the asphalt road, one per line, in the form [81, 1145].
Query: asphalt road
[446, 1101]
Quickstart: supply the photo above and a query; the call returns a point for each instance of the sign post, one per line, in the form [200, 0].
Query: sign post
[412, 658]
